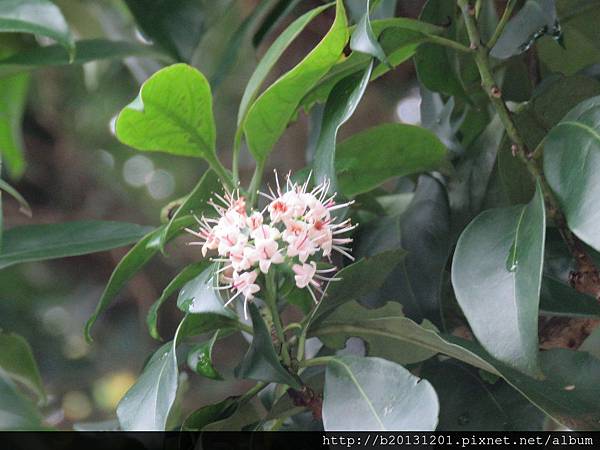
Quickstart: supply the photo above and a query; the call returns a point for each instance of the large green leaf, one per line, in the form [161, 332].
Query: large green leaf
[199, 295]
[496, 274]
[187, 274]
[175, 26]
[17, 413]
[146, 405]
[208, 414]
[560, 299]
[369, 158]
[196, 202]
[363, 38]
[13, 95]
[40, 17]
[358, 397]
[199, 359]
[52, 241]
[172, 113]
[86, 51]
[269, 115]
[261, 363]
[340, 106]
[130, 264]
[571, 162]
[16, 359]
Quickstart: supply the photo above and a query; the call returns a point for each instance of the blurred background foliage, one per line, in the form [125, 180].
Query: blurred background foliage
[76, 169]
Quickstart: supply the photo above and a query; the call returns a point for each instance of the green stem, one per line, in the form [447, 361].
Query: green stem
[235, 162]
[292, 326]
[253, 391]
[510, 6]
[271, 299]
[221, 171]
[319, 361]
[256, 181]
[439, 40]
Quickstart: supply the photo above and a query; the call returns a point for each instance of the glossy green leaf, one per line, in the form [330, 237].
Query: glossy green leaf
[40, 17]
[86, 51]
[341, 104]
[24, 206]
[363, 38]
[199, 359]
[242, 417]
[358, 397]
[13, 95]
[146, 405]
[16, 359]
[496, 274]
[187, 274]
[261, 363]
[17, 413]
[52, 241]
[571, 161]
[271, 57]
[389, 325]
[175, 26]
[130, 264]
[367, 159]
[216, 412]
[560, 299]
[199, 295]
[196, 202]
[277, 14]
[535, 19]
[269, 115]
[172, 114]
[433, 63]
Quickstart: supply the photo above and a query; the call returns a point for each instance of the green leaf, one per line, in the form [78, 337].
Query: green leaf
[433, 62]
[40, 17]
[178, 26]
[243, 416]
[146, 405]
[340, 106]
[496, 274]
[199, 295]
[560, 299]
[367, 159]
[17, 413]
[269, 115]
[86, 51]
[279, 12]
[216, 412]
[571, 162]
[24, 206]
[13, 96]
[172, 114]
[199, 359]
[358, 397]
[356, 281]
[52, 241]
[363, 39]
[271, 57]
[261, 363]
[536, 18]
[196, 202]
[16, 359]
[130, 264]
[187, 274]
[468, 403]
[390, 325]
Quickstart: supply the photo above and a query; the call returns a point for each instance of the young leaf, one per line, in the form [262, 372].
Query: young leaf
[261, 363]
[52, 241]
[369, 158]
[199, 359]
[175, 26]
[40, 17]
[571, 164]
[187, 274]
[13, 95]
[195, 203]
[496, 274]
[146, 405]
[363, 39]
[17, 413]
[86, 51]
[341, 104]
[172, 114]
[16, 360]
[357, 397]
[199, 295]
[269, 115]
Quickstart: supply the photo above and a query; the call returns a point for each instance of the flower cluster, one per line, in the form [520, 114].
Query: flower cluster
[296, 228]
